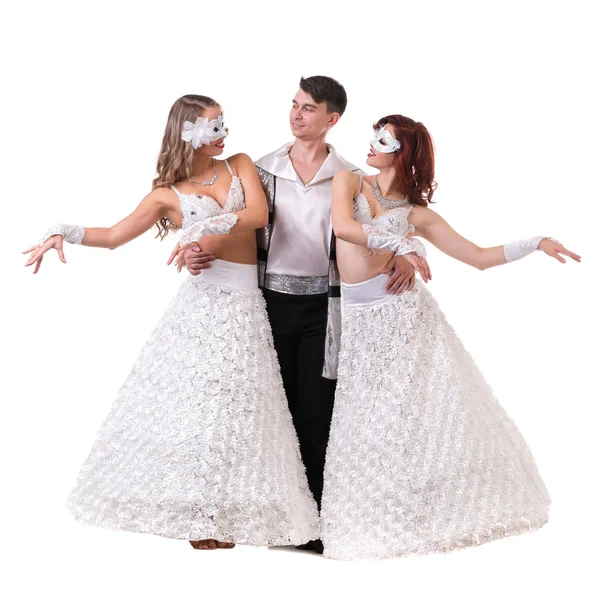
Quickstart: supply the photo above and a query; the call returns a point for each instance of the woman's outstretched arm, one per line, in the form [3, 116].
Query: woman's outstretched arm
[431, 226]
[159, 203]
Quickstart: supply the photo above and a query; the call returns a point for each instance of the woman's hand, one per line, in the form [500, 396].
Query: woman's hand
[555, 249]
[178, 255]
[37, 252]
[175, 253]
[192, 256]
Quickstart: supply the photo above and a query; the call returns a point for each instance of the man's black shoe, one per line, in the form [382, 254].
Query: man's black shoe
[314, 545]
[308, 546]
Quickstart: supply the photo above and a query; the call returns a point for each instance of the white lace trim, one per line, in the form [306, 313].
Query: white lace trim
[218, 225]
[73, 234]
[381, 239]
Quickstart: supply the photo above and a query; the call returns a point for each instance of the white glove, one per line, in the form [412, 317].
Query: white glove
[219, 225]
[384, 240]
[70, 233]
[521, 248]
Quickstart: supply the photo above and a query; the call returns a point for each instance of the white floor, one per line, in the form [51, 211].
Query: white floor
[69, 561]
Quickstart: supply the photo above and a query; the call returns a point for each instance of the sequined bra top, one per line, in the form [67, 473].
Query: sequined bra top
[196, 208]
[394, 219]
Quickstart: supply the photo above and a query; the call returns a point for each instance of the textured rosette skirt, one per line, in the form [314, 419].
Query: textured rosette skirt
[421, 457]
[200, 442]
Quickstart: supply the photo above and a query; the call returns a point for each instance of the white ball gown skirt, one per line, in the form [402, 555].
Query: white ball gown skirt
[421, 457]
[200, 442]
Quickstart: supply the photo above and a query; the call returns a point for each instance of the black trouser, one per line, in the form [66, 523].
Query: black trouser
[299, 325]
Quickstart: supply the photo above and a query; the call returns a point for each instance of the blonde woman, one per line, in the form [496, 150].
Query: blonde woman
[199, 444]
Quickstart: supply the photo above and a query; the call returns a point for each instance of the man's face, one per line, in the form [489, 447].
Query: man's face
[308, 119]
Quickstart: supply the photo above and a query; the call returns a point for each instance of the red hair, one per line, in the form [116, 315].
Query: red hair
[414, 162]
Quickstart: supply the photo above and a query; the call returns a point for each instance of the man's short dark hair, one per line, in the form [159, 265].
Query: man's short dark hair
[326, 89]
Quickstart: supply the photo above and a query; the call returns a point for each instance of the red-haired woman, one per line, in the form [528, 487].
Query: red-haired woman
[421, 457]
[199, 444]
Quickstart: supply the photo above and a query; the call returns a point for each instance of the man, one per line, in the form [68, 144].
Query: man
[297, 271]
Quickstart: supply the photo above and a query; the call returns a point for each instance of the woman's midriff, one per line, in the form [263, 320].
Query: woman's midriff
[234, 247]
[356, 265]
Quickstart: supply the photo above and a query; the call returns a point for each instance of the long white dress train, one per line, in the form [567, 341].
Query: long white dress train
[200, 442]
[421, 456]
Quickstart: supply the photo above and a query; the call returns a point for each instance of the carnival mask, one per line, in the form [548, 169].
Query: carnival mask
[203, 131]
[385, 142]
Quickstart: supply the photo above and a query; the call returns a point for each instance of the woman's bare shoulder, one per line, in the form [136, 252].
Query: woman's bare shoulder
[423, 215]
[345, 176]
[240, 160]
[164, 195]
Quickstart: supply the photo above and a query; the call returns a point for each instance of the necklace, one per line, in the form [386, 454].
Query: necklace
[211, 180]
[384, 202]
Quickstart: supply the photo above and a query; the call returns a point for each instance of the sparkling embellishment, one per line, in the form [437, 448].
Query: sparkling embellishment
[384, 202]
[300, 286]
[210, 181]
[197, 208]
[388, 230]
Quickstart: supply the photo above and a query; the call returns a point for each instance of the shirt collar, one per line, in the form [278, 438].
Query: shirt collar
[279, 164]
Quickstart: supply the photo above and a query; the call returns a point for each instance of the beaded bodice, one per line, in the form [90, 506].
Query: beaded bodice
[196, 208]
[394, 220]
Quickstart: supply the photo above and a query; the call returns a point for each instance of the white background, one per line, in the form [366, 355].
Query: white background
[508, 93]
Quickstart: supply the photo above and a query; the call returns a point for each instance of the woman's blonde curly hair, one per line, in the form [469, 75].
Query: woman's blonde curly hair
[176, 156]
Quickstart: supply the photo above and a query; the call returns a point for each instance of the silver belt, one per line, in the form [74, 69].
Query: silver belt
[299, 286]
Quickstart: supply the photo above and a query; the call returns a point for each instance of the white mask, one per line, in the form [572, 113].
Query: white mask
[391, 145]
[203, 131]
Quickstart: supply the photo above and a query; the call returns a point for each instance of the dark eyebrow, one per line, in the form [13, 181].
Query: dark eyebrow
[305, 105]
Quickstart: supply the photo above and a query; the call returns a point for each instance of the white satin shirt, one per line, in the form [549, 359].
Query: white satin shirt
[302, 220]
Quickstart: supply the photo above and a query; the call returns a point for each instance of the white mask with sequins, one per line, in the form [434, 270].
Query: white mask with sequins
[203, 131]
[391, 143]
